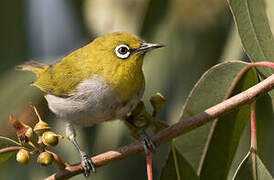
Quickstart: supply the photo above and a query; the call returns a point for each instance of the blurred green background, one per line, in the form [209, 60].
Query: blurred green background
[197, 34]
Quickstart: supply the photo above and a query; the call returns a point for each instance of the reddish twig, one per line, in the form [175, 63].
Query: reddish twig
[149, 166]
[253, 143]
[263, 64]
[253, 126]
[12, 148]
[175, 130]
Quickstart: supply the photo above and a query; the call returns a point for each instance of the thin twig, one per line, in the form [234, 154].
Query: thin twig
[253, 142]
[149, 166]
[11, 148]
[175, 130]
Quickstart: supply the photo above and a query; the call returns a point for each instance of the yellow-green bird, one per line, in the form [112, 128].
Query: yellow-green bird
[99, 82]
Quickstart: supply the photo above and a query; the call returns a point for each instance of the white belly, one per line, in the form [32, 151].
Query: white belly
[93, 102]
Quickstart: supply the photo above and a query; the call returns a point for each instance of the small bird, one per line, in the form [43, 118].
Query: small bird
[99, 82]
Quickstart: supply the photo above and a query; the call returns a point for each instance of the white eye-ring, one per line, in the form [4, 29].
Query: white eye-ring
[122, 51]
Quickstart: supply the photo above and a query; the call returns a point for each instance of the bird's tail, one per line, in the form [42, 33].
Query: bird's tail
[33, 66]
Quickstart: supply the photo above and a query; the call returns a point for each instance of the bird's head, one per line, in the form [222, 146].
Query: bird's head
[121, 50]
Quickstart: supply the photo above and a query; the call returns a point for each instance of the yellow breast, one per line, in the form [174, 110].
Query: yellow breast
[125, 80]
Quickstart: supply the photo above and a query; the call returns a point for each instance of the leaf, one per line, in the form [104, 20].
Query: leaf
[226, 135]
[5, 143]
[186, 172]
[6, 153]
[252, 168]
[4, 156]
[209, 90]
[264, 130]
[255, 33]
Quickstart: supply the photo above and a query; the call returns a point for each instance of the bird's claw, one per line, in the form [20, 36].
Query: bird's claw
[149, 146]
[87, 164]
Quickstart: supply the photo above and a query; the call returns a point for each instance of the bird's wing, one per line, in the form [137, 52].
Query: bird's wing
[62, 78]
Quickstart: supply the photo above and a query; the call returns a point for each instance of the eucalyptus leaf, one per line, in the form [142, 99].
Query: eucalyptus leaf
[264, 131]
[252, 168]
[6, 153]
[5, 143]
[226, 133]
[254, 30]
[211, 89]
[186, 172]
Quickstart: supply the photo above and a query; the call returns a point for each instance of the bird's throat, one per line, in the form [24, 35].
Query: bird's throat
[126, 82]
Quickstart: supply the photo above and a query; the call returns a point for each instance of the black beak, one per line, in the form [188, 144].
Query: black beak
[145, 47]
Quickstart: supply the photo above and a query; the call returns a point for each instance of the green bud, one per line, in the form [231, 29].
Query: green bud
[41, 127]
[50, 138]
[157, 101]
[29, 134]
[45, 158]
[23, 156]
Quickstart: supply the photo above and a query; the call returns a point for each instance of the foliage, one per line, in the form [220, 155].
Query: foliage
[215, 145]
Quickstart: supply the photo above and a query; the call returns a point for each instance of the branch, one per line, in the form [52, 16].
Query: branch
[175, 130]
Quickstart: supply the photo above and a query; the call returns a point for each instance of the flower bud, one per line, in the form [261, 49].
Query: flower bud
[29, 134]
[45, 158]
[50, 138]
[41, 127]
[157, 101]
[23, 156]
[23, 131]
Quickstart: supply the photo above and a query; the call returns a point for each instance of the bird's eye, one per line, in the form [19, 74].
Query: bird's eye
[122, 51]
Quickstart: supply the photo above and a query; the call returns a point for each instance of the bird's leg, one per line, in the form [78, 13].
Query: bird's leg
[140, 134]
[147, 142]
[85, 161]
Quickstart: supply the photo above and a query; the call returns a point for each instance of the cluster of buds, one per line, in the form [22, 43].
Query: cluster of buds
[34, 141]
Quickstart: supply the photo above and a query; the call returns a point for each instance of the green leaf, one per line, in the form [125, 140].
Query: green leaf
[255, 33]
[5, 143]
[185, 170]
[211, 89]
[226, 134]
[264, 130]
[6, 153]
[252, 168]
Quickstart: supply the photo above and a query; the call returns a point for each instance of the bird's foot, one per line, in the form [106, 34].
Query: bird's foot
[149, 146]
[87, 164]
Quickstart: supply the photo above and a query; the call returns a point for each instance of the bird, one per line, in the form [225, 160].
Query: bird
[98, 82]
